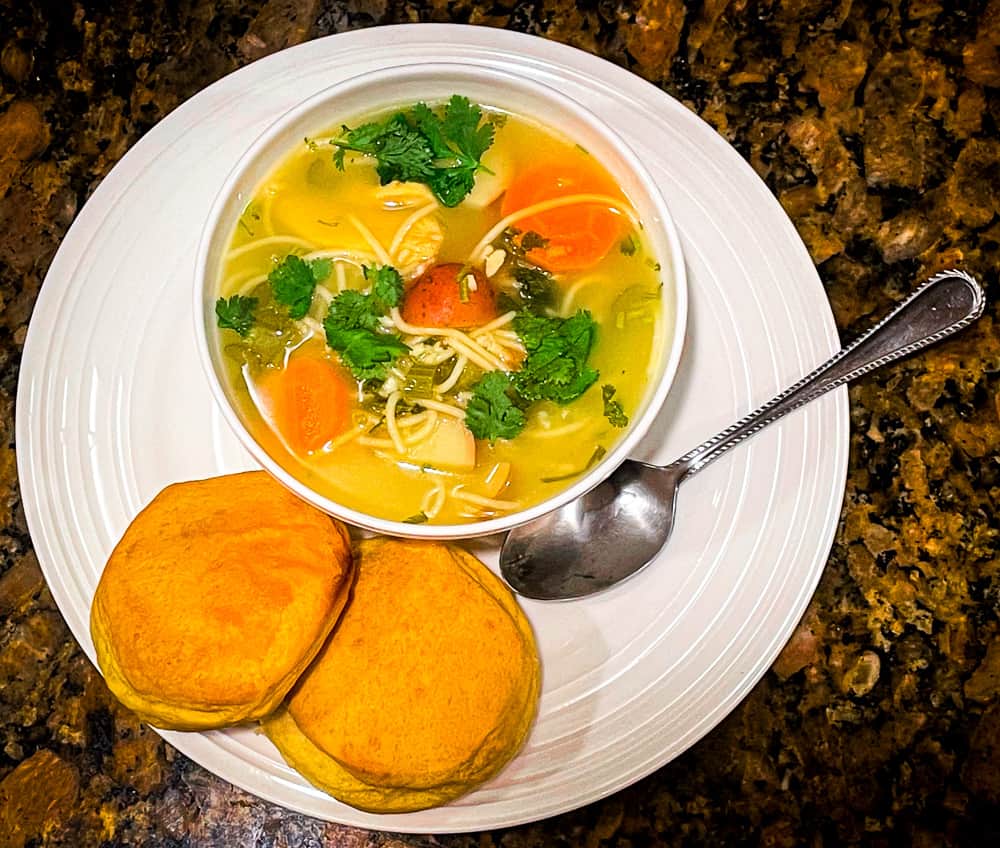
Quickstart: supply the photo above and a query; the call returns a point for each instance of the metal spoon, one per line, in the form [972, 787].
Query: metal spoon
[619, 526]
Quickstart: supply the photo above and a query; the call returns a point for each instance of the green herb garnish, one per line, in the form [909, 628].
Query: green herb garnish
[352, 325]
[419, 518]
[419, 382]
[237, 313]
[629, 245]
[387, 287]
[555, 367]
[294, 280]
[366, 353]
[418, 145]
[492, 413]
[612, 408]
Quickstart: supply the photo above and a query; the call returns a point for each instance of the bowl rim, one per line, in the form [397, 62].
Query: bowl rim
[587, 481]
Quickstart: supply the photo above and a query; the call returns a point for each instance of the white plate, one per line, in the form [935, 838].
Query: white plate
[112, 405]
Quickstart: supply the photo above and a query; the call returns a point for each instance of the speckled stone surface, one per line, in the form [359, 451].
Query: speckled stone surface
[875, 124]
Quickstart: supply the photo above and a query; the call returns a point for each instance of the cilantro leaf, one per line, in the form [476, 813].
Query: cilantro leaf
[612, 408]
[462, 127]
[491, 413]
[418, 145]
[401, 151]
[352, 325]
[352, 310]
[430, 125]
[237, 313]
[387, 286]
[320, 268]
[368, 354]
[555, 367]
[451, 185]
[294, 280]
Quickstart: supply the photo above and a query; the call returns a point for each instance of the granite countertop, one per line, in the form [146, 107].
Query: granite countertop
[876, 126]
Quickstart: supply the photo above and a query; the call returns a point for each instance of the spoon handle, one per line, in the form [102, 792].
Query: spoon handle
[944, 304]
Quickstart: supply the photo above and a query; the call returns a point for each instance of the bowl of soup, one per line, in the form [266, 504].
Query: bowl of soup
[438, 301]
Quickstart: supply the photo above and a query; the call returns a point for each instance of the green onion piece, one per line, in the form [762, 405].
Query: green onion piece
[420, 380]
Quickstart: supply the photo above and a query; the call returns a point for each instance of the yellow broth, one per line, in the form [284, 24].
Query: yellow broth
[307, 205]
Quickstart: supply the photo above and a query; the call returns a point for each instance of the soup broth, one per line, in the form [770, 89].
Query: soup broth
[423, 359]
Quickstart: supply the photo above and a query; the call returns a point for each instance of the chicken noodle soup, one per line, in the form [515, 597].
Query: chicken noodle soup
[440, 314]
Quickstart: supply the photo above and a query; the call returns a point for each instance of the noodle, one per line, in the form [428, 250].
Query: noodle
[434, 500]
[446, 408]
[495, 324]
[374, 243]
[459, 340]
[251, 284]
[406, 225]
[390, 421]
[352, 257]
[454, 377]
[571, 293]
[237, 252]
[556, 431]
[479, 500]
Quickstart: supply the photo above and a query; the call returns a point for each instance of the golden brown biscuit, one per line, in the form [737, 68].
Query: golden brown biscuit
[218, 595]
[427, 687]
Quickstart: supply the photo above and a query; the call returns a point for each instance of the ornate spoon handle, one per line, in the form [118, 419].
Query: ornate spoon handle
[944, 304]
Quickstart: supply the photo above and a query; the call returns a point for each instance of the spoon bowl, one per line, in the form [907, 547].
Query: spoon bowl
[619, 526]
[634, 507]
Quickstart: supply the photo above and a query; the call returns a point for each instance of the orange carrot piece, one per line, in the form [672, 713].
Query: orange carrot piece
[579, 236]
[311, 401]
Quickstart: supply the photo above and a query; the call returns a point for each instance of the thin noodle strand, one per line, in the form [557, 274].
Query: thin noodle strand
[453, 377]
[251, 284]
[556, 431]
[495, 324]
[405, 227]
[243, 249]
[344, 438]
[434, 500]
[460, 341]
[357, 258]
[390, 421]
[479, 500]
[571, 293]
[374, 243]
[445, 408]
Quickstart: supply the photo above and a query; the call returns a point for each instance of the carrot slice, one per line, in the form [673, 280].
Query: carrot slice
[311, 403]
[579, 236]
